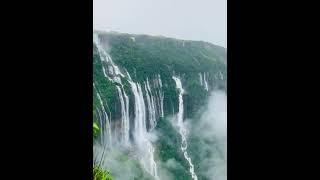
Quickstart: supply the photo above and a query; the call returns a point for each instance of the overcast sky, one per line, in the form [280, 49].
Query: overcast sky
[183, 19]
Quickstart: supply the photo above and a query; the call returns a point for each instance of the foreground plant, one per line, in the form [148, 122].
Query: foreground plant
[101, 174]
[95, 130]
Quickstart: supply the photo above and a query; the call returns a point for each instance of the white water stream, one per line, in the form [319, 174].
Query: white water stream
[182, 128]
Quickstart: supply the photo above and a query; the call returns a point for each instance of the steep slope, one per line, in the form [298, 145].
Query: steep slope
[142, 86]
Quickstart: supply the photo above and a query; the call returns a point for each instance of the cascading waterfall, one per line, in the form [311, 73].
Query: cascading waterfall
[140, 131]
[126, 122]
[200, 76]
[130, 79]
[105, 57]
[150, 111]
[221, 76]
[115, 73]
[100, 122]
[161, 96]
[158, 96]
[182, 128]
[140, 113]
[151, 105]
[136, 138]
[152, 162]
[204, 81]
[125, 116]
[107, 131]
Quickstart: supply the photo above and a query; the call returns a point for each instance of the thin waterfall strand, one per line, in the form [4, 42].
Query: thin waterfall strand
[182, 129]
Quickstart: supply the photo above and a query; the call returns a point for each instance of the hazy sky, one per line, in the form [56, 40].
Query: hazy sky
[183, 19]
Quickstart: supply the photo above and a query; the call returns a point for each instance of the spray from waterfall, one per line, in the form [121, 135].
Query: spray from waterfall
[140, 131]
[182, 128]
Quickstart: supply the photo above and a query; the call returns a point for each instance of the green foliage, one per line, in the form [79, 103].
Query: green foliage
[168, 147]
[96, 130]
[194, 96]
[147, 57]
[101, 174]
[105, 87]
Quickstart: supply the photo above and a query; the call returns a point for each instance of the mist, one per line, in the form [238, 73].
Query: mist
[213, 121]
[210, 133]
[207, 141]
[123, 163]
[204, 20]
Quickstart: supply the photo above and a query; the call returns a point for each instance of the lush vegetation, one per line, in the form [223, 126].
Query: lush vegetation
[145, 57]
[103, 86]
[95, 129]
[149, 55]
[168, 148]
[101, 174]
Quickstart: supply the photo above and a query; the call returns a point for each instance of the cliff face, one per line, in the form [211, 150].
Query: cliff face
[136, 89]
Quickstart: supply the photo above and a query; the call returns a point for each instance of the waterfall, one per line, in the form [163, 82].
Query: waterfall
[161, 96]
[200, 76]
[150, 108]
[113, 69]
[204, 81]
[125, 121]
[100, 118]
[221, 76]
[140, 113]
[152, 162]
[114, 74]
[107, 132]
[126, 125]
[148, 103]
[130, 79]
[182, 128]
[140, 130]
[140, 134]
[124, 102]
[151, 105]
